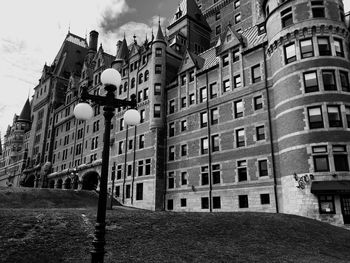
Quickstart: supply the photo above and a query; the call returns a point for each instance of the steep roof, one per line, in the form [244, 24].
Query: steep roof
[123, 51]
[159, 36]
[25, 113]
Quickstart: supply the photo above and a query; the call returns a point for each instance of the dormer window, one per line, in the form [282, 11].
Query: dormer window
[261, 29]
[228, 37]
[178, 14]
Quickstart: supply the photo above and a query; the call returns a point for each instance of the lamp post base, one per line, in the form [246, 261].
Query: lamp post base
[97, 253]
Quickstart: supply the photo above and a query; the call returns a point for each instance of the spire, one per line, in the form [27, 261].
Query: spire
[160, 36]
[123, 51]
[25, 113]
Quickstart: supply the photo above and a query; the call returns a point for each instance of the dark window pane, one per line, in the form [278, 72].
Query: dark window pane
[321, 163]
[341, 162]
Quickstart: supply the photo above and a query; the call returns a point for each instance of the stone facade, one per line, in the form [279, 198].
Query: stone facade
[244, 105]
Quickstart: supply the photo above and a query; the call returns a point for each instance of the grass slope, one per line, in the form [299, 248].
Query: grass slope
[65, 235]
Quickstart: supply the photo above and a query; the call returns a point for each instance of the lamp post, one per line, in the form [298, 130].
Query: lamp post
[111, 79]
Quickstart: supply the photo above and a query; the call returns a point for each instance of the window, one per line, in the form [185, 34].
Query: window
[204, 145]
[260, 133]
[216, 202]
[143, 116]
[204, 175]
[263, 168]
[191, 76]
[338, 45]
[203, 119]
[140, 168]
[139, 96]
[183, 102]
[183, 178]
[203, 94]
[141, 141]
[315, 117]
[183, 79]
[226, 85]
[205, 202]
[317, 9]
[127, 190]
[238, 105]
[237, 18]
[323, 46]
[256, 74]
[125, 87]
[170, 204]
[214, 116]
[344, 81]
[334, 116]
[258, 103]
[158, 52]
[242, 170]
[146, 75]
[261, 29]
[183, 202]
[119, 172]
[171, 153]
[121, 124]
[225, 60]
[235, 55]
[120, 148]
[183, 125]
[148, 167]
[329, 80]
[213, 89]
[140, 78]
[320, 159]
[287, 17]
[264, 199]
[145, 94]
[184, 150]
[139, 191]
[171, 106]
[290, 54]
[156, 111]
[133, 83]
[240, 138]
[347, 114]
[243, 201]
[215, 143]
[192, 99]
[326, 204]
[158, 69]
[171, 180]
[216, 173]
[157, 89]
[306, 48]
[129, 169]
[218, 30]
[171, 129]
[131, 142]
[237, 4]
[217, 16]
[237, 81]
[310, 81]
[340, 156]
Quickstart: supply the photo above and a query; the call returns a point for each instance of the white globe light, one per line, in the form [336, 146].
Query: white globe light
[111, 76]
[83, 111]
[132, 117]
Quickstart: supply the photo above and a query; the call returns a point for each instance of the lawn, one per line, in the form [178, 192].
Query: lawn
[65, 235]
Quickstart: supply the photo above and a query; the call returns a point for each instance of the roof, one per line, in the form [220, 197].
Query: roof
[25, 113]
[330, 187]
[76, 40]
[123, 51]
[210, 58]
[252, 37]
[159, 36]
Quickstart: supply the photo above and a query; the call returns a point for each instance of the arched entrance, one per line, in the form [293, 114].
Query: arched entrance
[52, 184]
[59, 184]
[29, 181]
[67, 183]
[90, 181]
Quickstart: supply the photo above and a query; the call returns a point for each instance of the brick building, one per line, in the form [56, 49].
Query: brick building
[245, 106]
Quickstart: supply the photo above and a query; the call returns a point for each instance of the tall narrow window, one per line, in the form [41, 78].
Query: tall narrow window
[340, 156]
[139, 191]
[216, 173]
[306, 48]
[344, 80]
[225, 60]
[156, 111]
[204, 145]
[237, 18]
[213, 89]
[315, 118]
[334, 116]
[237, 81]
[205, 202]
[141, 141]
[347, 114]
[171, 180]
[260, 133]
[238, 105]
[171, 153]
[171, 106]
[290, 54]
[183, 125]
[323, 46]
[158, 52]
[329, 80]
[204, 175]
[320, 158]
[242, 170]
[317, 9]
[171, 129]
[183, 178]
[226, 85]
[218, 30]
[310, 81]
[263, 171]
[240, 138]
[157, 89]
[243, 201]
[203, 119]
[184, 150]
[215, 143]
[214, 116]
[287, 17]
[158, 69]
[127, 191]
[203, 94]
[183, 79]
[258, 102]
[338, 45]
[256, 74]
[235, 55]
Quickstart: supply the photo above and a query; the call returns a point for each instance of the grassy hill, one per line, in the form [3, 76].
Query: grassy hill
[65, 235]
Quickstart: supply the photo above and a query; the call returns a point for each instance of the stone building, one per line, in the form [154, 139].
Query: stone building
[245, 106]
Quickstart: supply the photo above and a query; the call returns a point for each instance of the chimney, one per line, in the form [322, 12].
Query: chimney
[93, 40]
[119, 43]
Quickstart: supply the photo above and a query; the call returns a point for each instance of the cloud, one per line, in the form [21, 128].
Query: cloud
[111, 13]
[13, 45]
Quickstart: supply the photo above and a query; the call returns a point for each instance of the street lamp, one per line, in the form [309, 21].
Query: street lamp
[111, 79]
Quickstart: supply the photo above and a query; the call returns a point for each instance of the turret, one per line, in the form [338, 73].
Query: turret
[121, 56]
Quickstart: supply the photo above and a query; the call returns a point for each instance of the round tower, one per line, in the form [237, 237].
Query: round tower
[308, 69]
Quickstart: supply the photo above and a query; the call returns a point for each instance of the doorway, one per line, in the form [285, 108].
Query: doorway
[345, 207]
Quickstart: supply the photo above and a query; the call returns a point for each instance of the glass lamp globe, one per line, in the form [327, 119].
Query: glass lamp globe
[83, 111]
[132, 117]
[110, 76]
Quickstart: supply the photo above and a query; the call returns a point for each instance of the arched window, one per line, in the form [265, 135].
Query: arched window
[120, 89]
[133, 83]
[125, 86]
[146, 75]
[140, 78]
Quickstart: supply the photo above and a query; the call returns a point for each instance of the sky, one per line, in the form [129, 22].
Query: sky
[32, 32]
